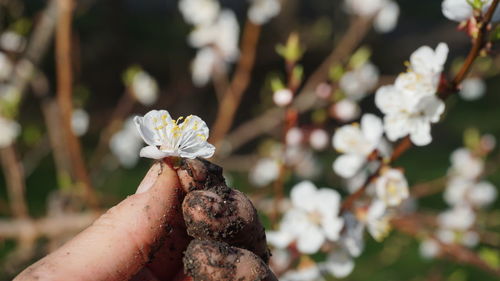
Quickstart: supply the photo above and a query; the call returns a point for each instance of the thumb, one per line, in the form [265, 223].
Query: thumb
[125, 238]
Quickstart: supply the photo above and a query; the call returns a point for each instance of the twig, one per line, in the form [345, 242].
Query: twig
[306, 99]
[64, 96]
[14, 176]
[232, 97]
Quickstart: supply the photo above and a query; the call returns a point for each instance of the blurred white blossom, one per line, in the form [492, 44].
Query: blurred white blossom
[80, 122]
[429, 248]
[377, 220]
[357, 83]
[457, 218]
[261, 11]
[472, 88]
[12, 41]
[167, 137]
[265, 171]
[294, 136]
[311, 221]
[9, 130]
[144, 88]
[223, 34]
[203, 66]
[411, 104]
[198, 12]
[306, 273]
[5, 66]
[465, 164]
[391, 187]
[345, 110]
[283, 97]
[387, 19]
[386, 12]
[461, 10]
[339, 263]
[126, 144]
[319, 139]
[356, 143]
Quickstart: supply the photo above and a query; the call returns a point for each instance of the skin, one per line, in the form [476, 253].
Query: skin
[145, 237]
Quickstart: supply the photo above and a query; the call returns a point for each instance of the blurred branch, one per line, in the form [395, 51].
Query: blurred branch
[306, 99]
[36, 49]
[413, 225]
[124, 107]
[46, 227]
[232, 96]
[64, 97]
[14, 176]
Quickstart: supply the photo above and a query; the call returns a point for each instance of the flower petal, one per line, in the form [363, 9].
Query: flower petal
[339, 263]
[310, 240]
[303, 195]
[154, 153]
[372, 128]
[348, 165]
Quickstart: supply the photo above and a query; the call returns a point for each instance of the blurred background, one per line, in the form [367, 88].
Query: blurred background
[128, 57]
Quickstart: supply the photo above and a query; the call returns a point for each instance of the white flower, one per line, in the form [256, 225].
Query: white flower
[9, 130]
[377, 220]
[294, 136]
[391, 187]
[319, 139]
[144, 88]
[458, 218]
[345, 110]
[283, 97]
[357, 83]
[456, 191]
[461, 10]
[410, 105]
[339, 263]
[223, 34]
[264, 172]
[429, 248]
[79, 122]
[167, 137]
[465, 164]
[5, 66]
[198, 12]
[261, 11]
[387, 19]
[472, 89]
[482, 194]
[312, 220]
[12, 41]
[126, 144]
[356, 143]
[203, 66]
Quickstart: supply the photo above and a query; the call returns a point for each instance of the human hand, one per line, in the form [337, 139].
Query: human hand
[180, 220]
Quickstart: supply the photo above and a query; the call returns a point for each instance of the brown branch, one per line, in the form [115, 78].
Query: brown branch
[306, 99]
[64, 97]
[232, 97]
[14, 176]
[49, 227]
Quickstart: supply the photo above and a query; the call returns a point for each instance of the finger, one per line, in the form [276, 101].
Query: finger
[225, 214]
[211, 260]
[124, 239]
[196, 174]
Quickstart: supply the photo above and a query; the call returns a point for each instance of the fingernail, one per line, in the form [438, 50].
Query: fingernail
[150, 178]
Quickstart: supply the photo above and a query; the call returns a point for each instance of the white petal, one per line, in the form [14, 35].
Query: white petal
[421, 133]
[279, 239]
[154, 153]
[339, 263]
[332, 227]
[396, 126]
[388, 99]
[456, 10]
[387, 19]
[372, 128]
[348, 165]
[310, 240]
[303, 195]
